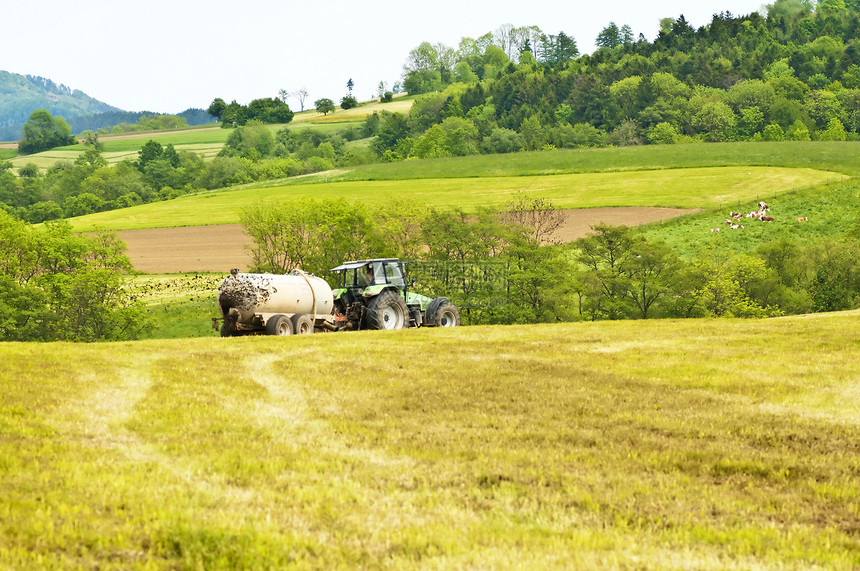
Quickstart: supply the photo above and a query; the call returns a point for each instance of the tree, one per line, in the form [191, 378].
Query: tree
[381, 89]
[216, 108]
[609, 37]
[715, 121]
[835, 131]
[254, 140]
[651, 275]
[502, 140]
[269, 110]
[555, 50]
[606, 255]
[43, 131]
[150, 151]
[91, 139]
[349, 85]
[538, 215]
[324, 105]
[57, 285]
[348, 102]
[301, 95]
[315, 235]
[662, 134]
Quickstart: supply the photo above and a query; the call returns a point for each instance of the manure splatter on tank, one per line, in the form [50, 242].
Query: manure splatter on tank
[245, 291]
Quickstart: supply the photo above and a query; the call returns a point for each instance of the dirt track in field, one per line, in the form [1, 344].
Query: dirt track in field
[220, 248]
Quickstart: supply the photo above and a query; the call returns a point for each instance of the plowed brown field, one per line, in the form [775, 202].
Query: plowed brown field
[222, 247]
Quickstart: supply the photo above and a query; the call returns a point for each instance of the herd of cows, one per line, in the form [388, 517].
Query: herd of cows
[734, 219]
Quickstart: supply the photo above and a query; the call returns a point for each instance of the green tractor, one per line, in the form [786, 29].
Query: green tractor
[374, 294]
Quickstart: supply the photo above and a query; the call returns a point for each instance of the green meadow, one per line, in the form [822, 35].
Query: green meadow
[681, 188]
[715, 444]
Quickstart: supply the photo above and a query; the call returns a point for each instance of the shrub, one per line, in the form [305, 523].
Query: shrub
[503, 140]
[348, 102]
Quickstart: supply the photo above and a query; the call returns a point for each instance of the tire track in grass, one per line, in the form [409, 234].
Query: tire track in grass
[102, 420]
[289, 408]
[385, 490]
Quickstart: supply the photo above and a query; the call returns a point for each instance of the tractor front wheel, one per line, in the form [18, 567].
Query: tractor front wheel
[387, 311]
[447, 316]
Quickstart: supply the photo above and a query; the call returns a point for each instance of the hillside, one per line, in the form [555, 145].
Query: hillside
[20, 95]
[647, 445]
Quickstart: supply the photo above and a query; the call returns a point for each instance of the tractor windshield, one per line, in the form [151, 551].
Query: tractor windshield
[394, 275]
[364, 276]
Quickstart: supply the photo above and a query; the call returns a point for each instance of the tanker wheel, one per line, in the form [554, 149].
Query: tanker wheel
[302, 324]
[447, 316]
[279, 325]
[226, 330]
[387, 311]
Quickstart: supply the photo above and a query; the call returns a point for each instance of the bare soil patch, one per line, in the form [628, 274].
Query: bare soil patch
[188, 249]
[222, 247]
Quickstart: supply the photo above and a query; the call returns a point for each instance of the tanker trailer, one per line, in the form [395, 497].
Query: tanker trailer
[273, 304]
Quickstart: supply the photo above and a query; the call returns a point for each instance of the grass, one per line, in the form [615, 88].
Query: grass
[841, 157]
[178, 306]
[683, 188]
[645, 445]
[830, 211]
[401, 104]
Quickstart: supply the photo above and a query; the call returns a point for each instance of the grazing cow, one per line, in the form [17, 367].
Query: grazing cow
[715, 229]
[728, 221]
[767, 219]
[736, 226]
[763, 207]
[802, 219]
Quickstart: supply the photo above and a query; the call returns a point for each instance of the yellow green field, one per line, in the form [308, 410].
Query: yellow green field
[717, 444]
[681, 188]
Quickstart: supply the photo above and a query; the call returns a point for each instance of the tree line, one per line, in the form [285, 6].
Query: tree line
[160, 172]
[793, 75]
[507, 268]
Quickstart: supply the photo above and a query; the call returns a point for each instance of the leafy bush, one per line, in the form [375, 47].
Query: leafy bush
[348, 102]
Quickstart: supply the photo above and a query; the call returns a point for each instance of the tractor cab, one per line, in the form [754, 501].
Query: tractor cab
[377, 274]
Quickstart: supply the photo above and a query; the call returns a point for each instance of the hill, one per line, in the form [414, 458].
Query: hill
[650, 444]
[20, 95]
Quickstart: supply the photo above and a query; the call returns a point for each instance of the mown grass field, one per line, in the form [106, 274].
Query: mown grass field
[712, 444]
[682, 188]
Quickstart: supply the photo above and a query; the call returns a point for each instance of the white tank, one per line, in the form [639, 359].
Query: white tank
[269, 294]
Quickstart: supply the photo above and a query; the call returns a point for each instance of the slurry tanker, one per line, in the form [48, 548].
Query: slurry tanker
[372, 294]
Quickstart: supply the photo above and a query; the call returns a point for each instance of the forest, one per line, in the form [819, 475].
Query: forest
[792, 74]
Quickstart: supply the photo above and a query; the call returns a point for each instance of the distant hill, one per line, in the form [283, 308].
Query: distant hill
[20, 95]
[112, 118]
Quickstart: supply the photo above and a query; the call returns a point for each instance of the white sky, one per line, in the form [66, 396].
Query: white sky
[168, 55]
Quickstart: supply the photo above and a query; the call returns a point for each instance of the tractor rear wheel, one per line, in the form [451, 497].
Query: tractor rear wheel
[387, 311]
[279, 325]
